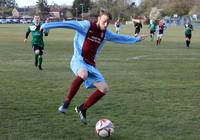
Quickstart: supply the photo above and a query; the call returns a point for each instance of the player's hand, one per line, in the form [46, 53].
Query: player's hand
[25, 40]
[41, 29]
[143, 37]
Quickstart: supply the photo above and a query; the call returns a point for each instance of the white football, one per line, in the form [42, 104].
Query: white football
[104, 128]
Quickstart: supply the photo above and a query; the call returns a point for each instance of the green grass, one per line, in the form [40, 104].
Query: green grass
[154, 91]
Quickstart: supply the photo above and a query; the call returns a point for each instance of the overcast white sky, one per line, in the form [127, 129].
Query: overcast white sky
[22, 3]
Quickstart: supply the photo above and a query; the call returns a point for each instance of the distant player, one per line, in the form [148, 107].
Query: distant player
[37, 40]
[160, 31]
[138, 26]
[118, 25]
[152, 28]
[188, 33]
[89, 39]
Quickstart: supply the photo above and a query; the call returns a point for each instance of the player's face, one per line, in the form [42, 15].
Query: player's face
[103, 22]
[36, 20]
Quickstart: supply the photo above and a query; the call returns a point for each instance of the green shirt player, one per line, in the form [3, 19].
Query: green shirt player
[37, 40]
[152, 28]
[188, 33]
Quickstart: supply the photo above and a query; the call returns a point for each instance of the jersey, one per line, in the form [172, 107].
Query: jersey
[138, 26]
[152, 26]
[117, 24]
[89, 39]
[161, 29]
[188, 29]
[37, 35]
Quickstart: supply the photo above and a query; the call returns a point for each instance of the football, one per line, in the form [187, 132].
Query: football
[104, 128]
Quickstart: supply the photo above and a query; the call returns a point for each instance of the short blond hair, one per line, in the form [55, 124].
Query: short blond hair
[105, 12]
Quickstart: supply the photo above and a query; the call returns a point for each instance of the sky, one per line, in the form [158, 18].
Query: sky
[22, 3]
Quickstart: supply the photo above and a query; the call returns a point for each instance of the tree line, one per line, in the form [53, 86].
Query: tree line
[118, 8]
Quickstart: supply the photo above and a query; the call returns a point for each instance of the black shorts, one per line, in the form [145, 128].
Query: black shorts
[36, 47]
[137, 31]
[152, 32]
[188, 36]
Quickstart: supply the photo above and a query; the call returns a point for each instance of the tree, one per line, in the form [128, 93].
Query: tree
[118, 8]
[8, 3]
[6, 7]
[78, 5]
[178, 7]
[42, 8]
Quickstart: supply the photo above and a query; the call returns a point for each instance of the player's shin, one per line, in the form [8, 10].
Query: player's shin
[36, 60]
[93, 98]
[40, 59]
[74, 87]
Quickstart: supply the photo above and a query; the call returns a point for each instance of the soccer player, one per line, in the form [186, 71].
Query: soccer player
[137, 25]
[160, 31]
[89, 39]
[37, 40]
[152, 28]
[188, 33]
[118, 25]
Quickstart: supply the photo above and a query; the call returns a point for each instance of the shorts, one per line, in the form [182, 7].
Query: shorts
[36, 47]
[152, 32]
[94, 76]
[188, 36]
[137, 31]
[159, 36]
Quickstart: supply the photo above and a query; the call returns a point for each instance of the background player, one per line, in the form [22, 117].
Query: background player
[118, 25]
[188, 33]
[160, 31]
[152, 28]
[37, 40]
[138, 25]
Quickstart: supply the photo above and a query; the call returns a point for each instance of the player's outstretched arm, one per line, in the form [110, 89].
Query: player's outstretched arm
[123, 39]
[73, 24]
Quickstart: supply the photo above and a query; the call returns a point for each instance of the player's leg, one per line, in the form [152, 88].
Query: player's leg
[136, 32]
[102, 89]
[95, 79]
[187, 41]
[36, 53]
[40, 58]
[157, 40]
[152, 35]
[160, 38]
[189, 38]
[81, 75]
[94, 97]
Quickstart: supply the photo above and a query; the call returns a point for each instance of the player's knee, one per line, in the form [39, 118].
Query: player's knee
[83, 73]
[104, 88]
[37, 52]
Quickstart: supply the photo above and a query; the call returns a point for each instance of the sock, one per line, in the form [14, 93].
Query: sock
[152, 37]
[73, 88]
[40, 60]
[92, 99]
[188, 43]
[36, 60]
[157, 42]
[160, 41]
[66, 104]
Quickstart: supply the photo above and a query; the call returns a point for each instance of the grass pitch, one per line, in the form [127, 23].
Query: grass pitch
[154, 91]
